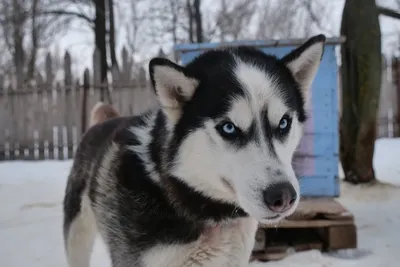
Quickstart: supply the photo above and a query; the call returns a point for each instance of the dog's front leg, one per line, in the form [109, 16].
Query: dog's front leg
[242, 242]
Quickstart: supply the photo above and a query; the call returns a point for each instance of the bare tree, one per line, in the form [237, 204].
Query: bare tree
[292, 18]
[134, 26]
[24, 31]
[234, 17]
[166, 20]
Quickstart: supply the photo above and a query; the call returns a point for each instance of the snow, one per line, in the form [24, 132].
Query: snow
[31, 202]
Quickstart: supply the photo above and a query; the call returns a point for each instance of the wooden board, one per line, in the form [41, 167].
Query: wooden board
[322, 224]
[339, 237]
[321, 212]
[309, 224]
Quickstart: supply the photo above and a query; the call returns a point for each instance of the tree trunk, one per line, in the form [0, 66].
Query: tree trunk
[361, 78]
[189, 11]
[100, 40]
[114, 62]
[199, 21]
[18, 41]
[34, 39]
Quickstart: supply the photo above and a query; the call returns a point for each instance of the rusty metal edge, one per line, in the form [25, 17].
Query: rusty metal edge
[255, 43]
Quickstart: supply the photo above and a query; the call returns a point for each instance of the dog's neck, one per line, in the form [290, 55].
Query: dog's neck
[190, 203]
[197, 206]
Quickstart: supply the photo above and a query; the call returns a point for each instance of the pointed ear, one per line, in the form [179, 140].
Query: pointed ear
[304, 61]
[172, 85]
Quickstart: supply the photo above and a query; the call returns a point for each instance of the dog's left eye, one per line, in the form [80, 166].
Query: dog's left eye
[284, 125]
[228, 130]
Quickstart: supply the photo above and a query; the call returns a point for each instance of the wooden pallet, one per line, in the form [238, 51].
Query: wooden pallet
[322, 224]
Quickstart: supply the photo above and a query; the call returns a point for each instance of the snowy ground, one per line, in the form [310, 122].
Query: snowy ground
[30, 219]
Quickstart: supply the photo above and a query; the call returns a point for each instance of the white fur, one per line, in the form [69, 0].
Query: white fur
[226, 245]
[168, 81]
[81, 236]
[83, 229]
[304, 67]
[143, 135]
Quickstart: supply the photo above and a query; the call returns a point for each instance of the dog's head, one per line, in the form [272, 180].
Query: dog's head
[236, 117]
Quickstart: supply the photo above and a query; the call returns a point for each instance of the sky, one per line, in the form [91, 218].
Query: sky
[78, 40]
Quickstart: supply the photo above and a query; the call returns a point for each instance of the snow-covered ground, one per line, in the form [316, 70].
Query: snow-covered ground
[31, 233]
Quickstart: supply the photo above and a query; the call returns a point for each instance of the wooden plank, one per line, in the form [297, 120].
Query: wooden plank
[41, 114]
[27, 103]
[50, 95]
[85, 95]
[61, 121]
[24, 110]
[321, 212]
[272, 253]
[14, 134]
[8, 119]
[340, 237]
[3, 119]
[69, 106]
[309, 208]
[77, 130]
[259, 244]
[308, 246]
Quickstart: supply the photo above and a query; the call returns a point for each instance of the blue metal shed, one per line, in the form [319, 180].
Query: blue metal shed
[316, 160]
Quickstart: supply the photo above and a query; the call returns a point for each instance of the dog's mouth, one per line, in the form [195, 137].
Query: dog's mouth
[272, 217]
[271, 220]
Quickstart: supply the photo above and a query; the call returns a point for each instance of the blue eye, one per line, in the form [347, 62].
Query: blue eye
[229, 128]
[283, 123]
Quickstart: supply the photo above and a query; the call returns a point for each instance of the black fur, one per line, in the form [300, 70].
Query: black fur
[85, 166]
[175, 213]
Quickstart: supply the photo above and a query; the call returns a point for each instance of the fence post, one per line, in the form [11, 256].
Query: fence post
[3, 123]
[396, 82]
[86, 84]
[390, 123]
[69, 115]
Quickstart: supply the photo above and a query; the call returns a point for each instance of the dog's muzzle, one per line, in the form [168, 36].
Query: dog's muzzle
[280, 197]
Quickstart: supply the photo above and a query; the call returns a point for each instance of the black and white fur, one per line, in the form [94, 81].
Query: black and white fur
[187, 184]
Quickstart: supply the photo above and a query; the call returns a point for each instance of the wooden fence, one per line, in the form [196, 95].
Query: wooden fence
[389, 102]
[44, 119]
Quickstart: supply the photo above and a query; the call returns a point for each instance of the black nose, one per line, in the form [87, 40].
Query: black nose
[280, 197]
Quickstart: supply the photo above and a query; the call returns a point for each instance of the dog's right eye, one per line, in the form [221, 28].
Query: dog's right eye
[228, 130]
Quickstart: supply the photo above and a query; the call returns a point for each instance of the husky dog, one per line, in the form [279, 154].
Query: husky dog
[186, 184]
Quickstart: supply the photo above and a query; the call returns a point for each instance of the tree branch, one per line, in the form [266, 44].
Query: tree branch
[69, 13]
[388, 12]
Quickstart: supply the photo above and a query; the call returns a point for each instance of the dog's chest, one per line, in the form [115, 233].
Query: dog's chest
[226, 245]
